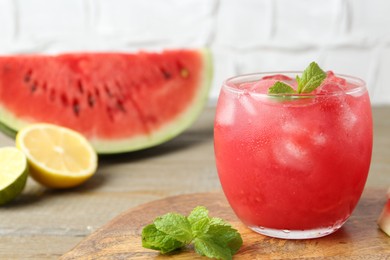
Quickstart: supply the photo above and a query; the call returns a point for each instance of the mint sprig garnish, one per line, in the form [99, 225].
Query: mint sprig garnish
[281, 88]
[211, 237]
[311, 79]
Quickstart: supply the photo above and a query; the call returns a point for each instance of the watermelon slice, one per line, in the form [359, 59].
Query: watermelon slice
[119, 101]
[384, 217]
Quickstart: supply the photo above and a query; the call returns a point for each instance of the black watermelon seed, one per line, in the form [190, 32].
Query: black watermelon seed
[64, 99]
[108, 92]
[76, 107]
[80, 86]
[110, 113]
[97, 92]
[166, 74]
[91, 100]
[33, 87]
[27, 77]
[120, 106]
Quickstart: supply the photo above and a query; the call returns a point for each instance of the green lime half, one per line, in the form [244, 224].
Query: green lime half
[13, 173]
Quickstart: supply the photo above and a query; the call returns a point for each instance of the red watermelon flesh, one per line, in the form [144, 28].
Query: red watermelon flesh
[119, 101]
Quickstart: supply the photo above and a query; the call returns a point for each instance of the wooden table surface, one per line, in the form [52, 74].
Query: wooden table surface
[45, 224]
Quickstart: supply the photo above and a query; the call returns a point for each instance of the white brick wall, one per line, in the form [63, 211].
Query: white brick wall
[347, 36]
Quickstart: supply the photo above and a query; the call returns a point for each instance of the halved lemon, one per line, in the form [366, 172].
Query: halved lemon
[13, 173]
[58, 157]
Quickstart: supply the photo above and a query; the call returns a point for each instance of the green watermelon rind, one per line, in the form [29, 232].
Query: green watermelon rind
[5, 129]
[10, 123]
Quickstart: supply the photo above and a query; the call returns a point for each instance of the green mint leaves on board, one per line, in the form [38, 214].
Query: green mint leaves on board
[310, 79]
[211, 237]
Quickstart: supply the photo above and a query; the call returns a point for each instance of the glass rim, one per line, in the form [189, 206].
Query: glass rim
[230, 84]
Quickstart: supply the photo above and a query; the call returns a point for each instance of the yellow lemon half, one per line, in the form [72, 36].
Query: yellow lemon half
[58, 157]
[13, 173]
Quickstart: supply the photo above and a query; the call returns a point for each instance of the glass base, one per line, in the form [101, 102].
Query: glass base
[296, 234]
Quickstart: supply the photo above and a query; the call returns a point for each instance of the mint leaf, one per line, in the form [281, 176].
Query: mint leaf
[208, 246]
[212, 237]
[221, 241]
[152, 238]
[199, 220]
[175, 225]
[312, 77]
[220, 228]
[281, 88]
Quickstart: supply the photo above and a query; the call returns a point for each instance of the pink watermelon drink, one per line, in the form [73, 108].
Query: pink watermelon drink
[293, 165]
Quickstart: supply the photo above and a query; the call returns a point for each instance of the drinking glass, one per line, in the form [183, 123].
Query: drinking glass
[293, 165]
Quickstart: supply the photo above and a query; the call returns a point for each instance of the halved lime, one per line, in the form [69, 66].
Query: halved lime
[13, 173]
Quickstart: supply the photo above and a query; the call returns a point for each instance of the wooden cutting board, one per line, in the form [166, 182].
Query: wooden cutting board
[359, 238]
